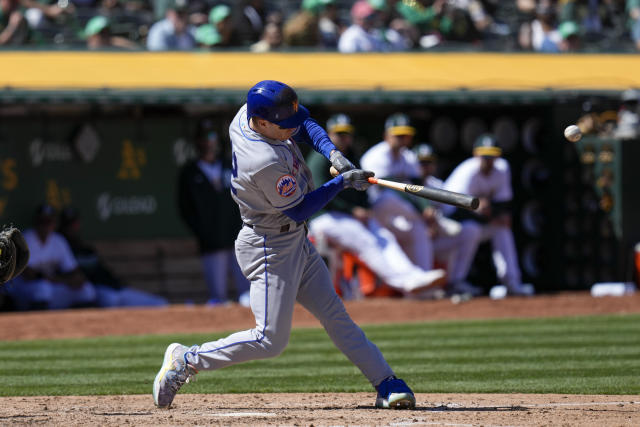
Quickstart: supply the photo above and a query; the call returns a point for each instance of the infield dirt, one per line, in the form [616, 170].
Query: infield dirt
[313, 409]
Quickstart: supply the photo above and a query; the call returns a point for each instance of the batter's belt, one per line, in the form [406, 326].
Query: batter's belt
[283, 229]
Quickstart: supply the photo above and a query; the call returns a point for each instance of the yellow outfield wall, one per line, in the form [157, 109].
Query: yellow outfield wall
[36, 70]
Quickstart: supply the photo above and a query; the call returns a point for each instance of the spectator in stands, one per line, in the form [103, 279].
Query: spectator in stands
[198, 12]
[130, 19]
[600, 22]
[421, 14]
[271, 39]
[570, 37]
[207, 36]
[13, 25]
[98, 35]
[174, 32]
[364, 34]
[484, 25]
[50, 9]
[420, 19]
[399, 25]
[206, 207]
[301, 29]
[220, 19]
[541, 34]
[330, 25]
[348, 223]
[52, 279]
[110, 290]
[459, 22]
[388, 9]
[218, 31]
[487, 176]
[249, 20]
[633, 9]
[50, 20]
[399, 32]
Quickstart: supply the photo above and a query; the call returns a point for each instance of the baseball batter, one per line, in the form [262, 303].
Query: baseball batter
[274, 190]
[487, 176]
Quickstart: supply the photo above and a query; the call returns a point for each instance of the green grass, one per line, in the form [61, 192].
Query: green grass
[589, 355]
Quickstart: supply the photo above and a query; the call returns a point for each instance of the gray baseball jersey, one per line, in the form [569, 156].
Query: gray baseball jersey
[283, 266]
[268, 175]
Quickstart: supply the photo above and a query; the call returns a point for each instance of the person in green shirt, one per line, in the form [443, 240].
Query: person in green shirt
[346, 222]
[13, 26]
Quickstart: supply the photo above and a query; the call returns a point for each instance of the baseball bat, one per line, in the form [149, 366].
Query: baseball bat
[443, 196]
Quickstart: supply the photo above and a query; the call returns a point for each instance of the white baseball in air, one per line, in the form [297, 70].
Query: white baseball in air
[572, 133]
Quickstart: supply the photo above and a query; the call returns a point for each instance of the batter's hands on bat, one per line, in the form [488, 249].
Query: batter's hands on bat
[340, 162]
[14, 254]
[357, 178]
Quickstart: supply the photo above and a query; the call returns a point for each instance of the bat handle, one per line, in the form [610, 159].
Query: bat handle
[373, 180]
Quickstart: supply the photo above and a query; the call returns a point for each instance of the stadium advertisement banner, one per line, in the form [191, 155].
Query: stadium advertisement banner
[120, 173]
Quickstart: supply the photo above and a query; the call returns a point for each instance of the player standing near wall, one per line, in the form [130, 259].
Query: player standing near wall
[453, 243]
[274, 189]
[487, 176]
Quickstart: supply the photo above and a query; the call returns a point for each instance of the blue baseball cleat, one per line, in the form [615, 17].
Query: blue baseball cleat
[175, 371]
[395, 393]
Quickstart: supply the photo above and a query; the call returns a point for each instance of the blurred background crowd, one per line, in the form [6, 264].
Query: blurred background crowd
[343, 25]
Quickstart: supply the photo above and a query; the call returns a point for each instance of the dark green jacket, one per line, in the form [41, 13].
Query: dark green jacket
[212, 215]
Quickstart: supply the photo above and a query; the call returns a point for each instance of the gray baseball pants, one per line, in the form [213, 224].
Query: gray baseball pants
[284, 268]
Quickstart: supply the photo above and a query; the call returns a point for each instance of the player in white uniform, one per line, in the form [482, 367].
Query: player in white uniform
[402, 214]
[52, 278]
[274, 190]
[348, 223]
[453, 242]
[487, 176]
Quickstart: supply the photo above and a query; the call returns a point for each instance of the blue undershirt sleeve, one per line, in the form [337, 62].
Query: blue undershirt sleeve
[315, 200]
[313, 134]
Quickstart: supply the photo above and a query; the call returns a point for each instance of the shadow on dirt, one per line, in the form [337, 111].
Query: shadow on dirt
[457, 409]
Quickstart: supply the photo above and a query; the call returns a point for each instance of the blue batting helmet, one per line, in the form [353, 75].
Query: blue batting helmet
[276, 102]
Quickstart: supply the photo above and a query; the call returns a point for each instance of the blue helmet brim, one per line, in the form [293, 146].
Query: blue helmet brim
[296, 120]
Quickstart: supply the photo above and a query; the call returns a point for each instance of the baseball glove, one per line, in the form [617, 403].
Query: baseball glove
[14, 254]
